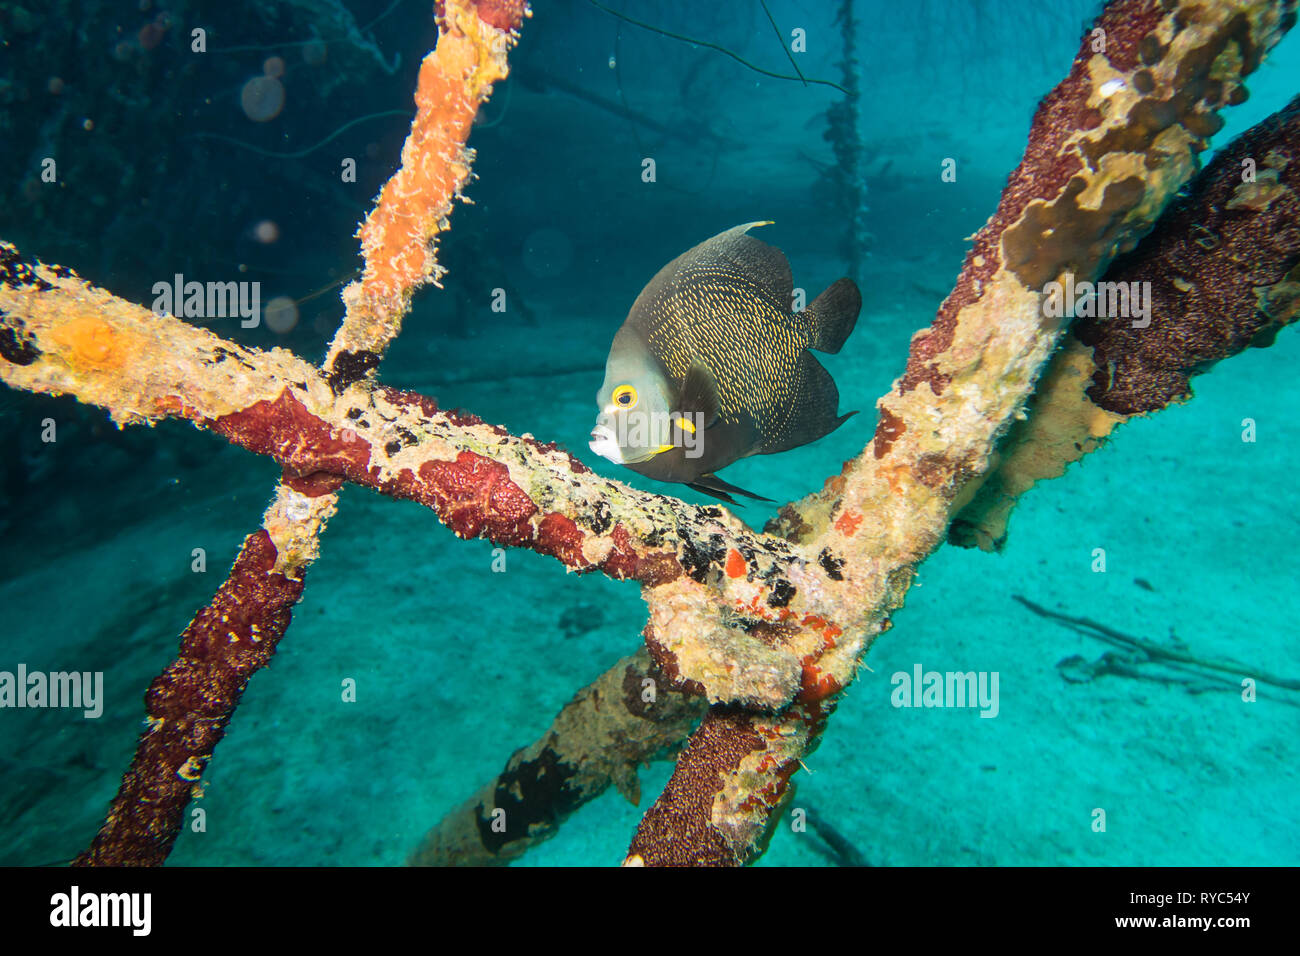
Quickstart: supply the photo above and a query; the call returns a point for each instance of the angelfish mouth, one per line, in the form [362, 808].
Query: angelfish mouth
[604, 444]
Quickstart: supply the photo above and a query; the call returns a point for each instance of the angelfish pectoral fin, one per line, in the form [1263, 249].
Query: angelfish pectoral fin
[699, 394]
[715, 486]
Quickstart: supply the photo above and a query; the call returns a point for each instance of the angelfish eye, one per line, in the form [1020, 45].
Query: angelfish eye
[625, 397]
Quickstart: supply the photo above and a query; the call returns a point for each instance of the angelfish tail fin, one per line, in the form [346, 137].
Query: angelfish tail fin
[833, 314]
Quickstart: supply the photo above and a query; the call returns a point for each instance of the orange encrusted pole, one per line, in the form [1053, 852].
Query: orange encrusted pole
[398, 237]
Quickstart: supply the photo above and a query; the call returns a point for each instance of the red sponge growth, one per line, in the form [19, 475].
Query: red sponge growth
[559, 536]
[475, 497]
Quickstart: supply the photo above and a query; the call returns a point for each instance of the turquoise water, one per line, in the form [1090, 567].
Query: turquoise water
[457, 666]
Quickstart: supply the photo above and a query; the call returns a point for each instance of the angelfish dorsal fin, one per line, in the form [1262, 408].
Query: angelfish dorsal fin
[699, 393]
[762, 264]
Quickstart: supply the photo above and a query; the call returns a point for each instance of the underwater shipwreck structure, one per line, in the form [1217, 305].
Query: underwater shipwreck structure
[751, 636]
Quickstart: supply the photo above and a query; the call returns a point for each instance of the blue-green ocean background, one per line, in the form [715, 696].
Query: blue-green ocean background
[161, 171]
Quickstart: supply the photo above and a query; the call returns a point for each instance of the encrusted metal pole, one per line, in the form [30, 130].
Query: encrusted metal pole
[1223, 269]
[191, 703]
[626, 717]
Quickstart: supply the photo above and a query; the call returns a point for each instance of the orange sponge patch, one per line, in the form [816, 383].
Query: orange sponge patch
[736, 566]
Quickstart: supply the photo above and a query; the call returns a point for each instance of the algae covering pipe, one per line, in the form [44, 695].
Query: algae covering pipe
[712, 365]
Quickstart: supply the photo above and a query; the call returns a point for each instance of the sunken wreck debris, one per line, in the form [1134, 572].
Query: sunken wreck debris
[759, 631]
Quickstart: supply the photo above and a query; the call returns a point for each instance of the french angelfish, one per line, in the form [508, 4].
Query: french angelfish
[711, 365]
